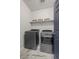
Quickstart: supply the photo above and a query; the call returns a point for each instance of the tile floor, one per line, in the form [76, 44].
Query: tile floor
[34, 54]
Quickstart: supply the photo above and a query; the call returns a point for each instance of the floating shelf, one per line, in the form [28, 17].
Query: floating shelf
[42, 21]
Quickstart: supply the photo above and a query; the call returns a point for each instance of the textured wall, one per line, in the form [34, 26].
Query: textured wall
[24, 21]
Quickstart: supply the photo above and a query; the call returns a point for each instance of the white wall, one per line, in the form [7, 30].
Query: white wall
[44, 13]
[24, 21]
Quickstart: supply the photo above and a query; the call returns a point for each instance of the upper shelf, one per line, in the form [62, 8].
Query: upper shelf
[42, 21]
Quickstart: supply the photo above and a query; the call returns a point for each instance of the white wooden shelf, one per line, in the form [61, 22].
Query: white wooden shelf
[33, 22]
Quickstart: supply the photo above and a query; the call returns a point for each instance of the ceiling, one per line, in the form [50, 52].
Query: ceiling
[37, 4]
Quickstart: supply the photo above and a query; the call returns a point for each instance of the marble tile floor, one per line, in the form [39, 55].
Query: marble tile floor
[34, 54]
